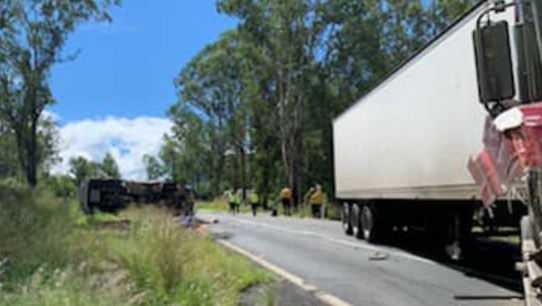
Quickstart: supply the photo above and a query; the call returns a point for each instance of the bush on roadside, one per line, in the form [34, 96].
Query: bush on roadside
[61, 287]
[174, 266]
[57, 256]
[40, 243]
[34, 229]
[62, 186]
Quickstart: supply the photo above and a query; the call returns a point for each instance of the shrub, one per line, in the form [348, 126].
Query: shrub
[60, 287]
[153, 261]
[175, 266]
[35, 229]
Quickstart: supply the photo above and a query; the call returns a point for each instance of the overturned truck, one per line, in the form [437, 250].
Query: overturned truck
[106, 195]
[111, 195]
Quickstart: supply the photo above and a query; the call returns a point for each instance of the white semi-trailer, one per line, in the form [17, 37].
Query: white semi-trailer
[401, 152]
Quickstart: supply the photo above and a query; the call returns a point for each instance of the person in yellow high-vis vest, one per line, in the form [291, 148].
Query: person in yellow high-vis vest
[316, 200]
[254, 202]
[231, 197]
[237, 201]
[286, 199]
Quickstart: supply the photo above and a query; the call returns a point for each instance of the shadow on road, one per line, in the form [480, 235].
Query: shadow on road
[484, 257]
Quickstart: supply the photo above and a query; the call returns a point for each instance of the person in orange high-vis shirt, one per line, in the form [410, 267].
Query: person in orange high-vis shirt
[286, 199]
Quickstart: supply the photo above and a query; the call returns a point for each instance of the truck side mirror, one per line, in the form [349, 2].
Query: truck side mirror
[493, 62]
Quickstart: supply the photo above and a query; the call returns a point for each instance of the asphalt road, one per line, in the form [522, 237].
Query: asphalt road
[322, 255]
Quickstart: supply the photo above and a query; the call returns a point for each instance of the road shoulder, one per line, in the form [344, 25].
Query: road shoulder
[306, 293]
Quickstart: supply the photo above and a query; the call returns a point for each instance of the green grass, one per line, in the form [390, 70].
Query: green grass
[57, 256]
[176, 265]
[220, 204]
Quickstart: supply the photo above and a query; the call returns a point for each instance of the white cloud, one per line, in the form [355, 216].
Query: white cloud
[47, 114]
[127, 140]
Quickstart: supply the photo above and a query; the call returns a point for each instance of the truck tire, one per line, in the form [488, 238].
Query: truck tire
[373, 228]
[346, 219]
[367, 223]
[355, 220]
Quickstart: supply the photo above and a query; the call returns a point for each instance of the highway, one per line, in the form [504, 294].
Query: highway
[358, 273]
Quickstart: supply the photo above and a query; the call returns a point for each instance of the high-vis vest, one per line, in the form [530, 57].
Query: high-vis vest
[317, 197]
[232, 198]
[254, 199]
[286, 193]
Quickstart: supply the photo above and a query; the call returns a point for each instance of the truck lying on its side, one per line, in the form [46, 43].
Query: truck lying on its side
[112, 195]
[108, 195]
[144, 192]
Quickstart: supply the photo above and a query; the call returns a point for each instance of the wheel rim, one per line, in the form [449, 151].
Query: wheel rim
[367, 222]
[354, 220]
[344, 217]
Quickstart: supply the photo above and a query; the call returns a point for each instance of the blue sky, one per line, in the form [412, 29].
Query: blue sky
[114, 96]
[126, 68]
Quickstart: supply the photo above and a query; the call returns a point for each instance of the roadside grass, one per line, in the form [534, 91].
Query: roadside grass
[173, 265]
[41, 253]
[220, 204]
[50, 254]
[217, 204]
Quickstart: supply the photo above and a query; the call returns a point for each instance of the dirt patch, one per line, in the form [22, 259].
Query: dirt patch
[279, 293]
[121, 225]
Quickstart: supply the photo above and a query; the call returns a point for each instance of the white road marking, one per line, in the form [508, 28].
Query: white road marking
[355, 245]
[323, 296]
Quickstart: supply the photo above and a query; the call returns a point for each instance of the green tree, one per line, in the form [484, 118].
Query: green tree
[47, 150]
[210, 89]
[443, 12]
[82, 169]
[260, 100]
[109, 167]
[61, 185]
[32, 37]
[286, 35]
[9, 164]
[153, 167]
[191, 146]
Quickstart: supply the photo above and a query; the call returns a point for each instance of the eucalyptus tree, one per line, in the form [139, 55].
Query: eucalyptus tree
[286, 35]
[32, 37]
[272, 86]
[109, 167]
[82, 169]
[153, 168]
[210, 90]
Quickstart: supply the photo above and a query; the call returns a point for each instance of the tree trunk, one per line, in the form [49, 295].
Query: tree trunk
[32, 150]
[242, 160]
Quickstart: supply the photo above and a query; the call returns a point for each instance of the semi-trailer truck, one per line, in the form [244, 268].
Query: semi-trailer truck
[403, 153]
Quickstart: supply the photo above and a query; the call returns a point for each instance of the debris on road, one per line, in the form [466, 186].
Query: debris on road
[207, 221]
[221, 235]
[379, 256]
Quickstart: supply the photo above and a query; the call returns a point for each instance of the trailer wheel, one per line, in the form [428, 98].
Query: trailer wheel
[373, 228]
[355, 215]
[367, 223]
[346, 219]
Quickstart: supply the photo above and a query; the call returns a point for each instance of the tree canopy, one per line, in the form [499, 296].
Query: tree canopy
[255, 107]
[32, 37]
[109, 167]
